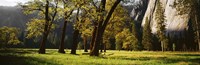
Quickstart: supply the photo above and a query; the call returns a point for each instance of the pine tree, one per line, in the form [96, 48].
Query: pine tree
[160, 18]
[147, 36]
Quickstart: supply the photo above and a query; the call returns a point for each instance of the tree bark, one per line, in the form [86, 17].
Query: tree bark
[61, 48]
[101, 27]
[85, 44]
[101, 47]
[197, 33]
[162, 46]
[104, 47]
[109, 15]
[97, 38]
[96, 44]
[45, 33]
[95, 49]
[93, 38]
[75, 42]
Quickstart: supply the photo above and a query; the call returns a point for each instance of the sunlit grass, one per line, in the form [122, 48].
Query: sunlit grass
[111, 57]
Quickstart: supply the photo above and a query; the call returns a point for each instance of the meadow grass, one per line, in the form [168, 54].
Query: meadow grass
[111, 57]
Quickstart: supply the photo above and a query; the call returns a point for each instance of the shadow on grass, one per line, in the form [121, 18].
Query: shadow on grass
[9, 59]
[196, 58]
[167, 60]
[140, 58]
[17, 51]
[15, 57]
[192, 61]
[187, 54]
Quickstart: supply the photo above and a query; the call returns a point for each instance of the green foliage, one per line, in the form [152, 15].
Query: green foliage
[106, 39]
[118, 46]
[8, 35]
[46, 12]
[147, 36]
[128, 40]
[89, 16]
[119, 40]
[38, 7]
[118, 19]
[35, 28]
[33, 6]
[116, 24]
[86, 28]
[160, 19]
[82, 18]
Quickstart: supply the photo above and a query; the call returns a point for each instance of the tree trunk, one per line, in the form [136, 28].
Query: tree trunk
[97, 38]
[197, 33]
[45, 33]
[42, 45]
[61, 48]
[93, 38]
[109, 15]
[101, 48]
[102, 26]
[75, 42]
[104, 47]
[85, 44]
[162, 46]
[95, 49]
[101, 45]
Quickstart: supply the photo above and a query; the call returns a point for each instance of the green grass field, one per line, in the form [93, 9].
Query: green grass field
[31, 57]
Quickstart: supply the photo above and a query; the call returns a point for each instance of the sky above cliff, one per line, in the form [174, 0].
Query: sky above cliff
[11, 2]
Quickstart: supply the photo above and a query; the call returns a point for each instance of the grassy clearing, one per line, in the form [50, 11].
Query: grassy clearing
[111, 57]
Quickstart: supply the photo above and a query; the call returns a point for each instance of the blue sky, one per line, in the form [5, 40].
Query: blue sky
[11, 2]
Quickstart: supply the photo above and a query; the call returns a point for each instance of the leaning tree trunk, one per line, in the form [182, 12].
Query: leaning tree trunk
[85, 43]
[102, 26]
[75, 42]
[45, 33]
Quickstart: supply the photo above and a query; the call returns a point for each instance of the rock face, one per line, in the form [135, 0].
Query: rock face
[178, 27]
[174, 23]
[139, 10]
